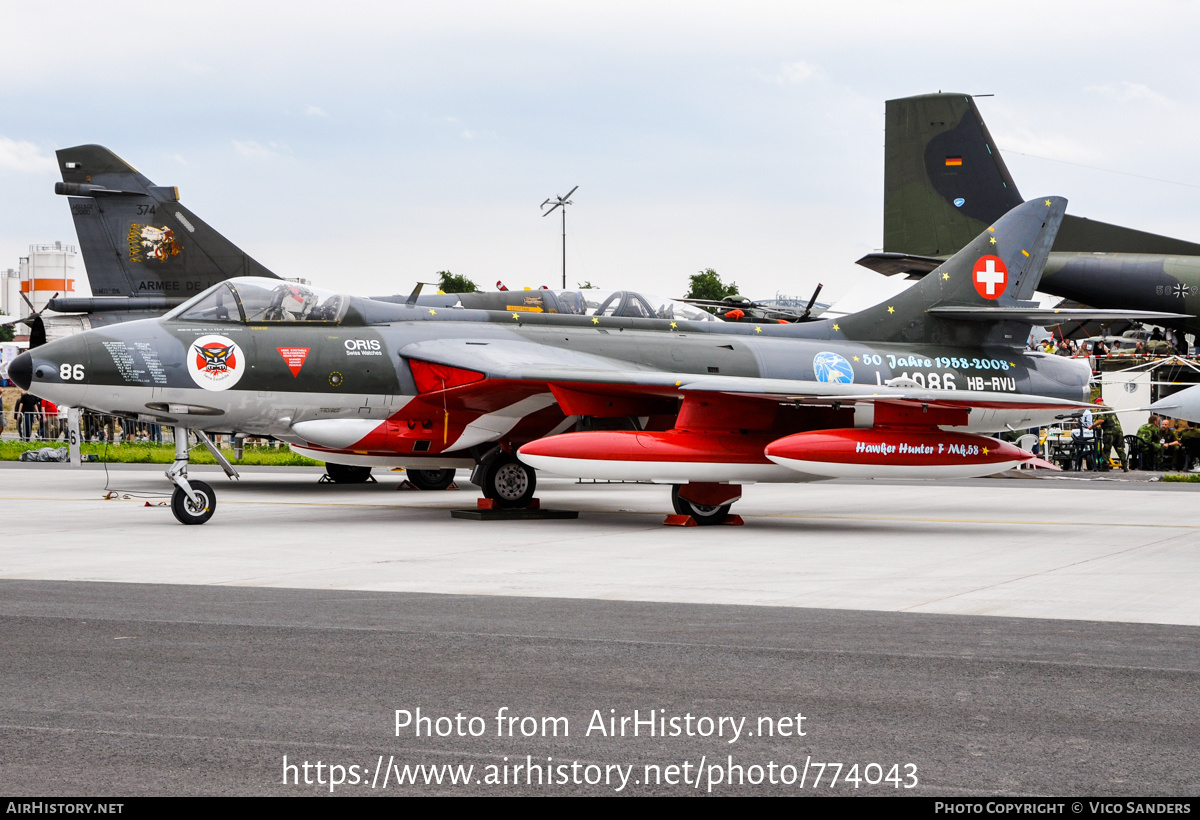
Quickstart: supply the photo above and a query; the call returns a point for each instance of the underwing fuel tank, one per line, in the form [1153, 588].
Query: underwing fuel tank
[883, 453]
[674, 456]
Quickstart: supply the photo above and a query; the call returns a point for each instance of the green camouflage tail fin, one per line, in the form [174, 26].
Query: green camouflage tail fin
[977, 297]
[945, 181]
[136, 237]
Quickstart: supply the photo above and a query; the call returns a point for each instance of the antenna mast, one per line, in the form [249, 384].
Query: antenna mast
[561, 202]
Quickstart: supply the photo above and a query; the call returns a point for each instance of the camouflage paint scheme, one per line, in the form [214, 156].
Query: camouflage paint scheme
[945, 181]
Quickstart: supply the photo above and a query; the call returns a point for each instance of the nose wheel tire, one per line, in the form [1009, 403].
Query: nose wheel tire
[509, 482]
[347, 473]
[702, 514]
[188, 512]
[430, 479]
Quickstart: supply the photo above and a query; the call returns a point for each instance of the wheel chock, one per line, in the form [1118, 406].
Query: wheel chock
[688, 521]
[490, 504]
[408, 485]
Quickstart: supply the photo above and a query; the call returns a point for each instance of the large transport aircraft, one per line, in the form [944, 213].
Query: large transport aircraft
[945, 181]
[900, 389]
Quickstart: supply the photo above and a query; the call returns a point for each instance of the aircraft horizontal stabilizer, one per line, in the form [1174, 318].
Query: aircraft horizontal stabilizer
[1051, 316]
[911, 265]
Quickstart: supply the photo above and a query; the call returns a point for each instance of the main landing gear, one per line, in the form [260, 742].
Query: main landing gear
[507, 481]
[706, 504]
[347, 473]
[430, 479]
[194, 502]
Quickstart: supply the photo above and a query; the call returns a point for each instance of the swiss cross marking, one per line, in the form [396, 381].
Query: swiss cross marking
[990, 277]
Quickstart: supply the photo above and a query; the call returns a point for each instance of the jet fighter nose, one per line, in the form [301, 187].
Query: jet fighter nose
[20, 370]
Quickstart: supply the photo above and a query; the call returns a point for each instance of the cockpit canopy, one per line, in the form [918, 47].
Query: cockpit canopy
[251, 300]
[625, 303]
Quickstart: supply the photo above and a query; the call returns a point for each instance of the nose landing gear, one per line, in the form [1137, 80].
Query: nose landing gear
[194, 502]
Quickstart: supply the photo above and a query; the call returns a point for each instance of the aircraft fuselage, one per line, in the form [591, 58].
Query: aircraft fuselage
[270, 379]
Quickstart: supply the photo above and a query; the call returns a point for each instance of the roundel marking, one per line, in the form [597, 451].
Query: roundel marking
[990, 276]
[215, 362]
[830, 367]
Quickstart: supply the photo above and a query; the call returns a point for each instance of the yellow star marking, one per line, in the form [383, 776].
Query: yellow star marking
[757, 329]
[891, 309]
[1047, 203]
[674, 326]
[945, 276]
[856, 358]
[432, 312]
[1012, 364]
[835, 327]
[992, 240]
[985, 451]
[595, 321]
[517, 317]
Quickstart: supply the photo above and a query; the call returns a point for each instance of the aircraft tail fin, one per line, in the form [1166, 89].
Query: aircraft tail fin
[137, 239]
[944, 179]
[996, 271]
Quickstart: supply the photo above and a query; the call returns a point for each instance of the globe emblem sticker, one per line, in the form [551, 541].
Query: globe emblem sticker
[959, 202]
[215, 362]
[830, 367]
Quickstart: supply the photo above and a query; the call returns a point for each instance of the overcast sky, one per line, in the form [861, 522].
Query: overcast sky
[365, 146]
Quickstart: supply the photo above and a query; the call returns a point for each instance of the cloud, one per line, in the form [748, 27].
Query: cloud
[256, 150]
[1131, 92]
[468, 134]
[796, 73]
[314, 111]
[24, 157]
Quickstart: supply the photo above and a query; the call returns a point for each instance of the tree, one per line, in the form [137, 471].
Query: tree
[449, 283]
[6, 333]
[707, 284]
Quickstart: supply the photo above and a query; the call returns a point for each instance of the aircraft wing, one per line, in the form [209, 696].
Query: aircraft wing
[529, 361]
[570, 370]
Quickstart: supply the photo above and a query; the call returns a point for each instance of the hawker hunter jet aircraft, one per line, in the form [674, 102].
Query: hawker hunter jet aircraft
[945, 181]
[901, 389]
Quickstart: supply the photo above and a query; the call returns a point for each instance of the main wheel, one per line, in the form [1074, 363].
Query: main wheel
[700, 513]
[430, 479]
[347, 473]
[188, 512]
[509, 482]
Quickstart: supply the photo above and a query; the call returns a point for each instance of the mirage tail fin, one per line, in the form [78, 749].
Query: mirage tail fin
[137, 239]
[980, 295]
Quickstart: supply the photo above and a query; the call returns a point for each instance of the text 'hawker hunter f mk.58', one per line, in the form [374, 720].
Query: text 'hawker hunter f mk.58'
[901, 389]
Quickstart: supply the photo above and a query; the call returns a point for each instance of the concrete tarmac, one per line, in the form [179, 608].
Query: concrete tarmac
[1091, 550]
[302, 616]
